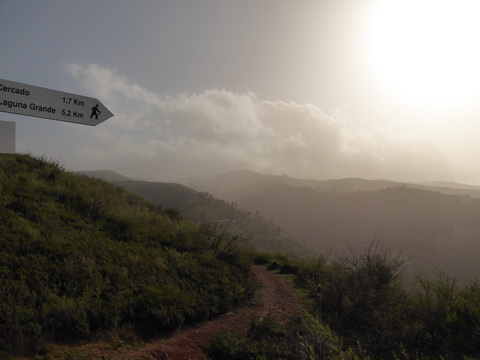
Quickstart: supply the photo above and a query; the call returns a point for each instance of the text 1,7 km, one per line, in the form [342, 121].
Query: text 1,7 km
[70, 113]
[73, 101]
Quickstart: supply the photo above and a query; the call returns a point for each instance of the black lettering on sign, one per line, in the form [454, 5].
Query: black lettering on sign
[14, 104]
[14, 90]
[74, 101]
[42, 108]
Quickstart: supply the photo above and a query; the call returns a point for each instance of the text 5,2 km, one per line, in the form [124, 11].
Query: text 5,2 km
[75, 114]
[29, 100]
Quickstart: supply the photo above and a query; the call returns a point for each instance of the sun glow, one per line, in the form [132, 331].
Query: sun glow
[428, 51]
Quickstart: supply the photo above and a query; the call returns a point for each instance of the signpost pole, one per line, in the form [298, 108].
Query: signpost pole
[7, 137]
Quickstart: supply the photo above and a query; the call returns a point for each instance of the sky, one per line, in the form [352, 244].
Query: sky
[312, 89]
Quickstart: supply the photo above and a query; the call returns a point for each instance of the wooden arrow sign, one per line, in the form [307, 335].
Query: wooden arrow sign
[23, 99]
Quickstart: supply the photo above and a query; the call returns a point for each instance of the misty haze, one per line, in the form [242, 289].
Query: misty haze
[257, 151]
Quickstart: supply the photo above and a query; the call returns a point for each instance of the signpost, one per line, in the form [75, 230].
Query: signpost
[23, 99]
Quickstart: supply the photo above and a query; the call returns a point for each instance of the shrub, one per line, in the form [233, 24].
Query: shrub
[306, 338]
[262, 258]
[227, 346]
[65, 319]
[266, 339]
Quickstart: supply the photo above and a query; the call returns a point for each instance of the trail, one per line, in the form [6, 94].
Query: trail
[275, 295]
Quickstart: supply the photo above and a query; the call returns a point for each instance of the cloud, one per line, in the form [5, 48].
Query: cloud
[163, 136]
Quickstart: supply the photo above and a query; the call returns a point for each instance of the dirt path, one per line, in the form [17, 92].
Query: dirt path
[275, 296]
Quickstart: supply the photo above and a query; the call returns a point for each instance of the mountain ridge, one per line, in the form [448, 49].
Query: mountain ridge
[224, 187]
[240, 179]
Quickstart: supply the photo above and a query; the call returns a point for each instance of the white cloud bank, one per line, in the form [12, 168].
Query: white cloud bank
[165, 137]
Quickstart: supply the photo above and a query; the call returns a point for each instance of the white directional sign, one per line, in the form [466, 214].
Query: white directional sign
[22, 99]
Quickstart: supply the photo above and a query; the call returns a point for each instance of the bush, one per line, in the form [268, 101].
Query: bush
[262, 258]
[160, 309]
[65, 319]
[266, 339]
[448, 317]
[305, 338]
[284, 263]
[227, 346]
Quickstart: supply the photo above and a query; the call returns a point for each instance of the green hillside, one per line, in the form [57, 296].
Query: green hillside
[202, 207]
[79, 256]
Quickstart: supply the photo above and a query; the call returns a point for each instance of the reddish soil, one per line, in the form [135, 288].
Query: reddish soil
[275, 295]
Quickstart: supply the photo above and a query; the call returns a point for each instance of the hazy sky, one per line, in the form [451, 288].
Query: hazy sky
[312, 88]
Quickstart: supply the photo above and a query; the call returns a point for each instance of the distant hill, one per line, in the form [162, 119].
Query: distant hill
[107, 175]
[202, 207]
[234, 185]
[231, 185]
[451, 185]
[436, 225]
[452, 188]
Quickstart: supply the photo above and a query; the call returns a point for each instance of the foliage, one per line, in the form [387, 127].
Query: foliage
[306, 338]
[79, 256]
[365, 300]
[362, 308]
[266, 339]
[447, 317]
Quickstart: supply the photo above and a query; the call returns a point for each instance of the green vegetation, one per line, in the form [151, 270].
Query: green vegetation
[203, 207]
[360, 307]
[79, 256]
[306, 338]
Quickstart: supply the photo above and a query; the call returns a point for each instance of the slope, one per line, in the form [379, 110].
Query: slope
[79, 256]
[202, 207]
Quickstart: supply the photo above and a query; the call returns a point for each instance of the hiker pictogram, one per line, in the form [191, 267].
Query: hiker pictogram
[95, 112]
